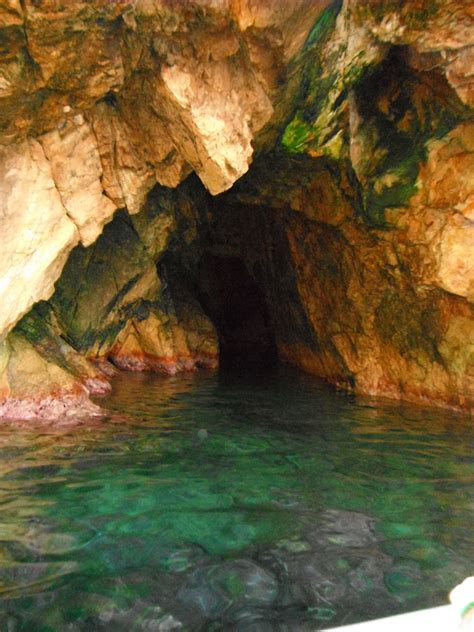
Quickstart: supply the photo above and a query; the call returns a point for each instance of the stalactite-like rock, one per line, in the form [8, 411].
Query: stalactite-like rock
[122, 95]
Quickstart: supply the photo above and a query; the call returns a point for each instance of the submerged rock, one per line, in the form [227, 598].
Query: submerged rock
[345, 529]
[226, 589]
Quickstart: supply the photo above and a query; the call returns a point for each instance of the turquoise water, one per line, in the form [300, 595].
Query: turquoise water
[211, 503]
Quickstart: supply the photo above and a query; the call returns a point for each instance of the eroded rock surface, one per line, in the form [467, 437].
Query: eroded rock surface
[121, 96]
[369, 310]
[107, 309]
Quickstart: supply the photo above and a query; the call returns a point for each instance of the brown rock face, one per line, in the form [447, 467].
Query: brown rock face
[121, 96]
[38, 384]
[351, 236]
[167, 345]
[369, 308]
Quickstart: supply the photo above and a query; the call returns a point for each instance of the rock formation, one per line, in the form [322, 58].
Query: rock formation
[352, 230]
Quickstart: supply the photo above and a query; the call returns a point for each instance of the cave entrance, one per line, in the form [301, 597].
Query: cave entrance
[237, 307]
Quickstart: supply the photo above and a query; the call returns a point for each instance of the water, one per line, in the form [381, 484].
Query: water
[210, 503]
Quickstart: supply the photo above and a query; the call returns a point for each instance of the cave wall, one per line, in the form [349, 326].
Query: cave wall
[117, 304]
[355, 221]
[101, 100]
[380, 240]
[341, 303]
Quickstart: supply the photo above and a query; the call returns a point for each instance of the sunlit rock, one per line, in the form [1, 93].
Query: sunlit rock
[76, 170]
[37, 234]
[38, 388]
[211, 122]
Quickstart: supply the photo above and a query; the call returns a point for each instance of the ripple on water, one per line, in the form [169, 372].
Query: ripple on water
[300, 508]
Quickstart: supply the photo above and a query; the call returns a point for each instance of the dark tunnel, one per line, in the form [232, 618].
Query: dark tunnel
[236, 305]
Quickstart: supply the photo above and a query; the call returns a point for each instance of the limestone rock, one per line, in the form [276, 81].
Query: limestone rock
[110, 308]
[37, 234]
[356, 316]
[36, 388]
[121, 96]
[76, 170]
[446, 199]
[98, 291]
[132, 164]
[210, 120]
[166, 343]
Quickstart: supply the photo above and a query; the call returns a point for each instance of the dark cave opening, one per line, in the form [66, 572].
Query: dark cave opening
[237, 307]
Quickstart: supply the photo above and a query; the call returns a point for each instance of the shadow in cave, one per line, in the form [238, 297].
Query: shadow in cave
[236, 305]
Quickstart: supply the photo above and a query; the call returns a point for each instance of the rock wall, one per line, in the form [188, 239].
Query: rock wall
[345, 299]
[396, 119]
[101, 100]
[355, 222]
[116, 304]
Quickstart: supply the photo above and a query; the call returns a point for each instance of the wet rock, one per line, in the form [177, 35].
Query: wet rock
[37, 385]
[294, 546]
[403, 578]
[252, 621]
[224, 590]
[183, 559]
[317, 583]
[345, 529]
[141, 617]
[199, 595]
[368, 575]
[12, 623]
[25, 578]
[343, 567]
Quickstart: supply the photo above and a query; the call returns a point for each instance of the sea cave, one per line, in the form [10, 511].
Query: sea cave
[236, 312]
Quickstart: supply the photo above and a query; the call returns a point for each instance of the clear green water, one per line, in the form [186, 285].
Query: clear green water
[204, 503]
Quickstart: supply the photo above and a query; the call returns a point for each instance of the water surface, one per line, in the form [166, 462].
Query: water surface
[205, 502]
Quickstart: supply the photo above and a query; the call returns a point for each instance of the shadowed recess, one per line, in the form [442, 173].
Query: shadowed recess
[236, 306]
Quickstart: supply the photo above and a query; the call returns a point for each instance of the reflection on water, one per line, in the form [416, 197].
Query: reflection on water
[203, 503]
